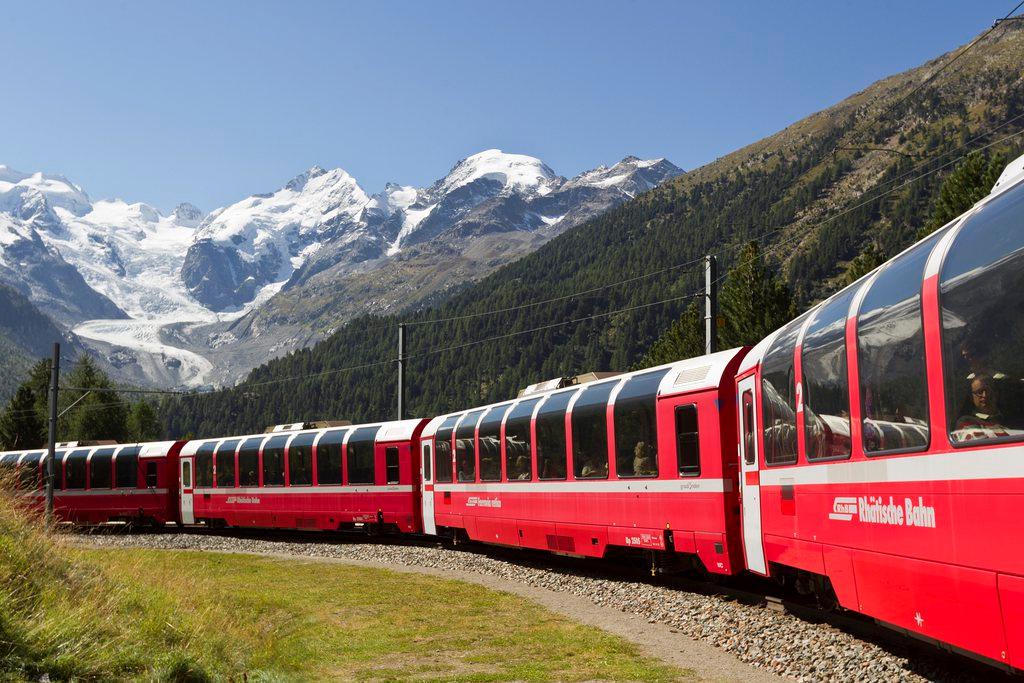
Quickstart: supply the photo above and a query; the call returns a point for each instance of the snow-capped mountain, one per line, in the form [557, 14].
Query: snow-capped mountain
[159, 296]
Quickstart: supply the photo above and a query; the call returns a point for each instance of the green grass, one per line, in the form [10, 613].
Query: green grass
[159, 615]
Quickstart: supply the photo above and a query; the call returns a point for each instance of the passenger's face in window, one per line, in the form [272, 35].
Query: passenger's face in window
[983, 395]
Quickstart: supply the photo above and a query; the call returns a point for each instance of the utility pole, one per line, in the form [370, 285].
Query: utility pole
[51, 442]
[401, 371]
[710, 304]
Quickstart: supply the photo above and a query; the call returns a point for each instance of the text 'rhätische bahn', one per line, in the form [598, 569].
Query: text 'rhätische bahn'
[872, 451]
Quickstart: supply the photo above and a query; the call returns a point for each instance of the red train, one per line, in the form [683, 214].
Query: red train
[870, 452]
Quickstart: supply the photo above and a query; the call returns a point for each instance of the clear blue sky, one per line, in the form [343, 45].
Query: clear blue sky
[212, 101]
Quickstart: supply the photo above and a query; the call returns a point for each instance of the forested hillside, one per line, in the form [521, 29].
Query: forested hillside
[855, 180]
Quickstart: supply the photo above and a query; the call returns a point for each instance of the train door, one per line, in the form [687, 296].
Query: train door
[429, 527]
[750, 488]
[187, 516]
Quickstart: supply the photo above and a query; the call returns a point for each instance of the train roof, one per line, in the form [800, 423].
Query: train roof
[147, 449]
[395, 430]
[692, 374]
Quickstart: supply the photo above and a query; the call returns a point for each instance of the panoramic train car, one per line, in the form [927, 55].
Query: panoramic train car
[332, 478]
[881, 438]
[105, 483]
[641, 461]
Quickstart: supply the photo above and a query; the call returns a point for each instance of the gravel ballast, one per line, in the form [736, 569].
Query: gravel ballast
[775, 641]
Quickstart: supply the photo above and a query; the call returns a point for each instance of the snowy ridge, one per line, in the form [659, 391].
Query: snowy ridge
[185, 270]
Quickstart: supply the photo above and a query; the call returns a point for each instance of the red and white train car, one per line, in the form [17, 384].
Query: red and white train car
[642, 461]
[329, 479]
[106, 483]
[881, 438]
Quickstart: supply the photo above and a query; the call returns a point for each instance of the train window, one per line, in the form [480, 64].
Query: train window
[890, 351]
[8, 463]
[826, 386]
[428, 461]
[443, 450]
[551, 457]
[74, 469]
[151, 476]
[687, 441]
[100, 468]
[204, 465]
[361, 459]
[518, 465]
[778, 397]
[126, 468]
[982, 297]
[58, 470]
[28, 471]
[226, 464]
[391, 464]
[590, 432]
[490, 443]
[273, 461]
[249, 462]
[465, 447]
[328, 457]
[636, 426]
[748, 427]
[300, 459]
[186, 475]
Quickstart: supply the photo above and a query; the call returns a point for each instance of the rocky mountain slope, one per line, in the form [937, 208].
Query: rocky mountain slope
[189, 299]
[858, 176]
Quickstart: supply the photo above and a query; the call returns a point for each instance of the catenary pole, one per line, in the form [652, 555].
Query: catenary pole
[52, 437]
[401, 371]
[710, 304]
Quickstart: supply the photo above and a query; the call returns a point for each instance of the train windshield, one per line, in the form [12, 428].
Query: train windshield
[982, 299]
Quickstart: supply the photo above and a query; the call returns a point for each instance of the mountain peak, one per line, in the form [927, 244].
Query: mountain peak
[511, 170]
[299, 181]
[187, 214]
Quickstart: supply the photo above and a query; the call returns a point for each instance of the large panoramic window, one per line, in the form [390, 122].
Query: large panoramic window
[273, 461]
[74, 469]
[249, 462]
[490, 443]
[636, 426]
[590, 432]
[225, 460]
[891, 357]
[982, 298]
[551, 456]
[362, 455]
[778, 397]
[300, 459]
[126, 468]
[825, 381]
[518, 458]
[328, 457]
[465, 447]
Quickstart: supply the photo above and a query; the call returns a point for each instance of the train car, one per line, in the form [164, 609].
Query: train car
[337, 478]
[643, 461]
[881, 438]
[104, 483]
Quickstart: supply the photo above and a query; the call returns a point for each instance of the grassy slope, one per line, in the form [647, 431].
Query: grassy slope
[98, 615]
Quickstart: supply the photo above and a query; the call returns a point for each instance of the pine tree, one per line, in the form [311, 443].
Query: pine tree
[753, 302]
[21, 426]
[102, 414]
[684, 339]
[143, 424]
[862, 264]
[972, 180]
